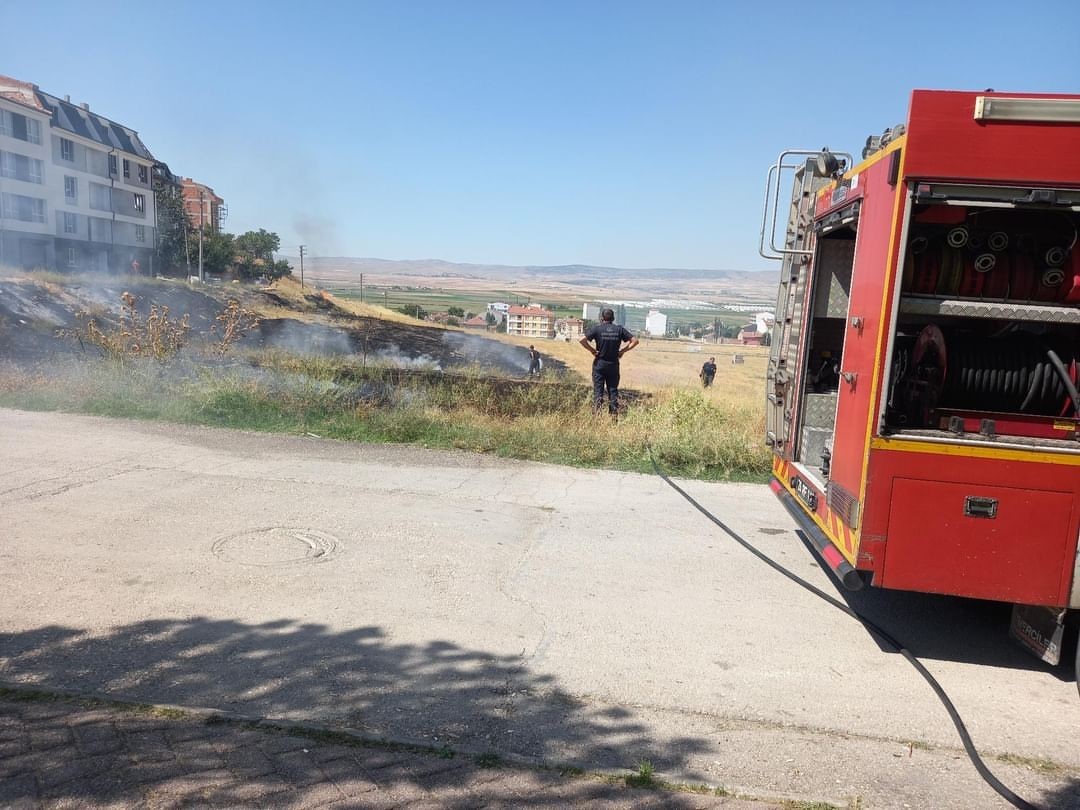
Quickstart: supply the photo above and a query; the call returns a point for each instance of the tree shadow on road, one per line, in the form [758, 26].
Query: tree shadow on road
[435, 693]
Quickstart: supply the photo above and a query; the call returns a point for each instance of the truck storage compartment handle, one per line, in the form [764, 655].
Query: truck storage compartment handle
[979, 506]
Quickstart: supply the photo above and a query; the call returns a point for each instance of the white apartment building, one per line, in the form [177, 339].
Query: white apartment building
[532, 321]
[75, 187]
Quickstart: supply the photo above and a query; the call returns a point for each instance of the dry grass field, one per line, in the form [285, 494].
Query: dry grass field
[656, 365]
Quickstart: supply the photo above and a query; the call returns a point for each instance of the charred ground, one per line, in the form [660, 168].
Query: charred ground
[39, 313]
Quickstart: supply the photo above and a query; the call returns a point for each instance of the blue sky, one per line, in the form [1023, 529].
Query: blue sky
[633, 134]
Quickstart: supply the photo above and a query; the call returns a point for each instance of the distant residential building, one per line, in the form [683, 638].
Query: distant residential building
[476, 322]
[531, 321]
[750, 336]
[202, 205]
[570, 328]
[656, 323]
[499, 310]
[75, 186]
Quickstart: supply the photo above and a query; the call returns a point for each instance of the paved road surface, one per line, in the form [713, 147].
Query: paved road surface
[582, 617]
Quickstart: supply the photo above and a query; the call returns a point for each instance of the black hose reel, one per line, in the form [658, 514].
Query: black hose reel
[1017, 373]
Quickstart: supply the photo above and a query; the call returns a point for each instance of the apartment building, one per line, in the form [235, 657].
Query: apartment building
[531, 321]
[75, 187]
[202, 205]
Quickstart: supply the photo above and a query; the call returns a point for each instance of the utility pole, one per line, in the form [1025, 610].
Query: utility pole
[202, 218]
[302, 265]
[384, 299]
[361, 288]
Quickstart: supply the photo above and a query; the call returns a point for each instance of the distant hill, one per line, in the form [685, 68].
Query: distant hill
[345, 265]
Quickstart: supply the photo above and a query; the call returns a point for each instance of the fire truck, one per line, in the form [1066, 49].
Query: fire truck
[923, 409]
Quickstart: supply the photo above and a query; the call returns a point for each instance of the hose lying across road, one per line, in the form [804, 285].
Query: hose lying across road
[878, 631]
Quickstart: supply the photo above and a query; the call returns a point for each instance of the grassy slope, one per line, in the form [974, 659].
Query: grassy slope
[711, 434]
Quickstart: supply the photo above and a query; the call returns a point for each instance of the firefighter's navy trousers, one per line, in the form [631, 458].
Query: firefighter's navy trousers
[605, 374]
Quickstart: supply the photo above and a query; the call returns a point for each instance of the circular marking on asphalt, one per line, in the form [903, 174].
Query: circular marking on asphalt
[276, 546]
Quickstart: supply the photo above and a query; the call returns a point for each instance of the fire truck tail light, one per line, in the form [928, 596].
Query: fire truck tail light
[1051, 110]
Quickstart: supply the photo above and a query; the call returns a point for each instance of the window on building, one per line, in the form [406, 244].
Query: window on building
[72, 257]
[22, 208]
[140, 233]
[127, 169]
[67, 149]
[144, 174]
[100, 197]
[19, 126]
[71, 222]
[112, 164]
[21, 167]
[140, 203]
[71, 189]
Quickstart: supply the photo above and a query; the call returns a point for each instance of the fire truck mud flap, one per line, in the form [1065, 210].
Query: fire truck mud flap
[828, 553]
[1040, 630]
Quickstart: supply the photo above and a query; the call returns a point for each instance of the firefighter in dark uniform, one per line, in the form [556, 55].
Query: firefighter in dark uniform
[609, 338]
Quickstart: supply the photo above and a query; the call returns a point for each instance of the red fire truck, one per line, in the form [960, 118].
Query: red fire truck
[922, 382]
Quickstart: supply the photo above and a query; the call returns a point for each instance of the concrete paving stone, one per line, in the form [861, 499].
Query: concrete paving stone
[41, 713]
[22, 788]
[373, 800]
[44, 738]
[297, 767]
[94, 734]
[186, 730]
[346, 769]
[90, 717]
[248, 763]
[148, 746]
[270, 792]
[314, 796]
[272, 743]
[14, 746]
[153, 772]
[19, 764]
[59, 771]
[375, 759]
[431, 772]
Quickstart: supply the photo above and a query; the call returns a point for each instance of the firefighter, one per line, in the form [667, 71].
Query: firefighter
[708, 371]
[609, 338]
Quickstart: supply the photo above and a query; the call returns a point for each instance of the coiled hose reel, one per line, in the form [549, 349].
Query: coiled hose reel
[1018, 373]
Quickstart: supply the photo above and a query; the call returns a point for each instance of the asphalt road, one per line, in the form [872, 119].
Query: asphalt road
[572, 616]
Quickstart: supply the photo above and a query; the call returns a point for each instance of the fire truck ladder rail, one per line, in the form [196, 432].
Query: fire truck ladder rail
[965, 738]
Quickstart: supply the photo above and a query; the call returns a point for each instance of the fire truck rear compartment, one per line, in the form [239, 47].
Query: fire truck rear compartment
[986, 346]
[986, 542]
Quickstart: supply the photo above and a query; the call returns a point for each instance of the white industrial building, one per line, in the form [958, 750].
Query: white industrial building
[656, 323]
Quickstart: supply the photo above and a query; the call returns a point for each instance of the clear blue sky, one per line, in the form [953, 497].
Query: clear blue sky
[520, 131]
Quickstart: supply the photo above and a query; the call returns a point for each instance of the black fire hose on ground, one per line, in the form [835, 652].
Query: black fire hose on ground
[877, 630]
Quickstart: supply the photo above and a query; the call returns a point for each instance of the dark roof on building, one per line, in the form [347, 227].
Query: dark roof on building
[87, 124]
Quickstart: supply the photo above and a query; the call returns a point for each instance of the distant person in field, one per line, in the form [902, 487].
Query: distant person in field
[708, 371]
[609, 338]
[534, 362]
